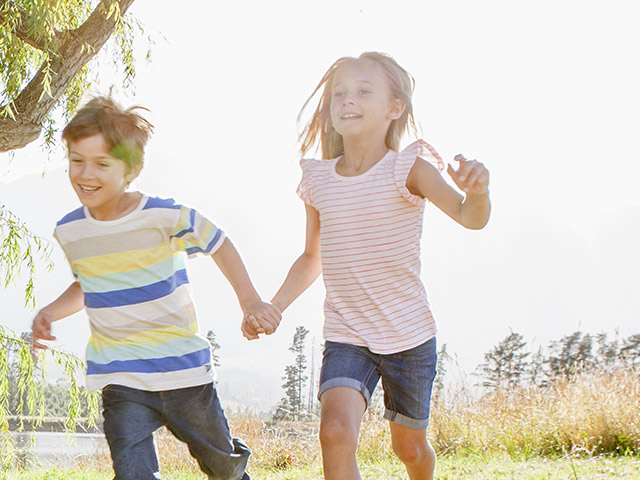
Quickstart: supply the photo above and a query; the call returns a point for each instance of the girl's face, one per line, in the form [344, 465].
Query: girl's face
[362, 102]
[99, 180]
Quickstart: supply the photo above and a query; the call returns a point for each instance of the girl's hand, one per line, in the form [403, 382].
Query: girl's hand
[472, 177]
[41, 329]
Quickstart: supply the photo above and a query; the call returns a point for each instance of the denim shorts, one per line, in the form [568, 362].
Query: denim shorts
[193, 415]
[407, 378]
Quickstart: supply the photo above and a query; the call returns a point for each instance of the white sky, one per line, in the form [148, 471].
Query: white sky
[545, 94]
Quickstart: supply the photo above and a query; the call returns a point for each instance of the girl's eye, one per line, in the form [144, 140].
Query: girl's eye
[364, 92]
[338, 94]
[75, 160]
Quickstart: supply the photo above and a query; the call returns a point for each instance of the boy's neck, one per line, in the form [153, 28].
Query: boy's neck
[126, 204]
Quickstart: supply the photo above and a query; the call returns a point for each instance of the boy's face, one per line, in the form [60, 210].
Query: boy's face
[99, 180]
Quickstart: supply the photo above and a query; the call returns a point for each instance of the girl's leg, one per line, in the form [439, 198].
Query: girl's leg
[340, 418]
[414, 450]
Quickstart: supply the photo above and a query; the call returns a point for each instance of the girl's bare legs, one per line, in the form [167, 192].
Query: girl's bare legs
[414, 450]
[340, 419]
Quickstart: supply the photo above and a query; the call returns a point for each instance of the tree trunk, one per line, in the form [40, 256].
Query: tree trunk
[78, 47]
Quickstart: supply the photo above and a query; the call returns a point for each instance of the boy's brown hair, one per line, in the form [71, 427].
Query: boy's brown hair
[125, 132]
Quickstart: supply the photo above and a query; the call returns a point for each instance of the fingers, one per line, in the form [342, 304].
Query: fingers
[248, 331]
[471, 176]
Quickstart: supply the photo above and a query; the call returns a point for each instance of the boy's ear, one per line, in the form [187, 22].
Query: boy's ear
[135, 171]
[396, 109]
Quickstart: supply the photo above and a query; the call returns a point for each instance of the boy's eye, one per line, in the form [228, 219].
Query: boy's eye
[103, 164]
[75, 160]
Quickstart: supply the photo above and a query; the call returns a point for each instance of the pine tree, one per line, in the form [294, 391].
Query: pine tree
[215, 346]
[292, 405]
[571, 355]
[504, 365]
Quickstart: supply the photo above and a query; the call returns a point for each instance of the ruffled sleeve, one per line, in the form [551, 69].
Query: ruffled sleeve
[405, 161]
[304, 189]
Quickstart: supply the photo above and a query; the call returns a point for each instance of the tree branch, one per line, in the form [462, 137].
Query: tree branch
[77, 48]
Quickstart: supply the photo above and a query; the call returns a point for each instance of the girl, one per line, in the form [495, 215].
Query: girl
[364, 205]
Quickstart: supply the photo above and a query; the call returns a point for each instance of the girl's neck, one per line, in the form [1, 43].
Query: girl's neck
[360, 156]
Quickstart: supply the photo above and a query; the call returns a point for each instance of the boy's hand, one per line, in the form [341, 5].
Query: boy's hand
[472, 177]
[41, 329]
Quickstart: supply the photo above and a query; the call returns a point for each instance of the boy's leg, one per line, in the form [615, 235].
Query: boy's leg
[414, 450]
[341, 415]
[130, 418]
[195, 416]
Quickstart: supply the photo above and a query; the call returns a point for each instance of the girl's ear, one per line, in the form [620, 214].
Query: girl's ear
[396, 109]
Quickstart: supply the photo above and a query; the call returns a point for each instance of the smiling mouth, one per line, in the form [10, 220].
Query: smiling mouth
[350, 116]
[88, 189]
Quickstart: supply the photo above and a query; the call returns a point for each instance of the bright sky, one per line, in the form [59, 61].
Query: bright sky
[545, 94]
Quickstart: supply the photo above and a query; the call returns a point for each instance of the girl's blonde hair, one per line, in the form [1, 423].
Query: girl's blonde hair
[401, 84]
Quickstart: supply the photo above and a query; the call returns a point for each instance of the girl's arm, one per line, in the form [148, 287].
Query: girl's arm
[303, 272]
[69, 302]
[471, 211]
[230, 264]
[306, 268]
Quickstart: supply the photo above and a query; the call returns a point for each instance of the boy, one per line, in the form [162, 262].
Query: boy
[144, 351]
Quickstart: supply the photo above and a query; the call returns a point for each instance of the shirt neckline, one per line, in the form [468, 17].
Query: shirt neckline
[352, 178]
[140, 206]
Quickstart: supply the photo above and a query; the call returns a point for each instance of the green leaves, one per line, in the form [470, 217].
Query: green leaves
[22, 386]
[19, 251]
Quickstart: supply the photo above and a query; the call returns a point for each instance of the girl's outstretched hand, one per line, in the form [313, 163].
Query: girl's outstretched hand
[472, 177]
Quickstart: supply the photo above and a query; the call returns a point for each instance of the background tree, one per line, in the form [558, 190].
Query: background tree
[571, 355]
[630, 351]
[504, 365]
[215, 346]
[441, 370]
[44, 48]
[292, 405]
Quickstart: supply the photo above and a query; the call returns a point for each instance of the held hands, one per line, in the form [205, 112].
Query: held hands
[472, 177]
[260, 318]
[41, 330]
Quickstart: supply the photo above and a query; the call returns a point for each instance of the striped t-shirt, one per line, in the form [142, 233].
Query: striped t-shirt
[370, 229]
[144, 331]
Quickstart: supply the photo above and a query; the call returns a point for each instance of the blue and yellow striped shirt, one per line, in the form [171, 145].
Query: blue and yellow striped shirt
[144, 331]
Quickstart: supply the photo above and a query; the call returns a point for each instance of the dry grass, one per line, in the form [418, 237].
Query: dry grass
[585, 418]
[592, 415]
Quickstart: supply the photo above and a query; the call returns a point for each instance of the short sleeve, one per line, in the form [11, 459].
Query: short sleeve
[305, 186]
[195, 234]
[405, 161]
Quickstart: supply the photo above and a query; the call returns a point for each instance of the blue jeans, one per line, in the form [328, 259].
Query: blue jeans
[407, 378]
[193, 415]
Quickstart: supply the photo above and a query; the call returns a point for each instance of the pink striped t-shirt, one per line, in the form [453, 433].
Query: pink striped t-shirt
[370, 229]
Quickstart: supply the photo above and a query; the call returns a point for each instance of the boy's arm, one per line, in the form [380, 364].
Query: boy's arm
[471, 211]
[230, 264]
[69, 302]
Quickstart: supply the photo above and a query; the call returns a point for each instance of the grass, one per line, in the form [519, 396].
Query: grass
[585, 429]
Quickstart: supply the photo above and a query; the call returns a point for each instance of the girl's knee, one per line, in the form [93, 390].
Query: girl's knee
[334, 431]
[412, 452]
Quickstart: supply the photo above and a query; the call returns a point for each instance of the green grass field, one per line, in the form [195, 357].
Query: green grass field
[493, 467]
